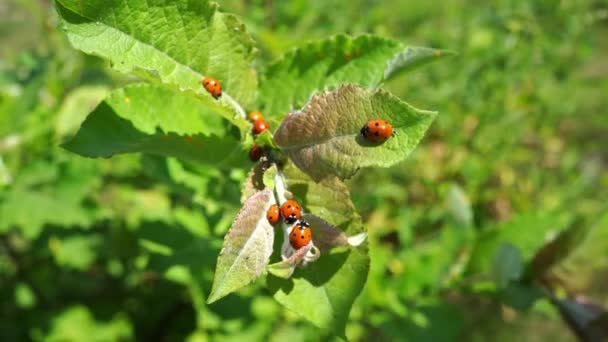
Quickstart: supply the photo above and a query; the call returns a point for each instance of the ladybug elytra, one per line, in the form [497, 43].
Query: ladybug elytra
[255, 116]
[377, 130]
[260, 126]
[300, 235]
[273, 214]
[212, 86]
[255, 153]
[291, 211]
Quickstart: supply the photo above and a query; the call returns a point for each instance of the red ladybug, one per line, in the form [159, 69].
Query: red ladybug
[273, 214]
[300, 235]
[255, 153]
[377, 130]
[260, 126]
[213, 86]
[291, 211]
[255, 116]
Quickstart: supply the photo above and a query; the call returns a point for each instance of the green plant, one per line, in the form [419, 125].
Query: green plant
[492, 229]
[172, 45]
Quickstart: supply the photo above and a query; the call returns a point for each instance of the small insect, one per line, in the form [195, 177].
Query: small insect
[377, 130]
[273, 214]
[255, 116]
[300, 235]
[213, 86]
[291, 211]
[255, 153]
[260, 126]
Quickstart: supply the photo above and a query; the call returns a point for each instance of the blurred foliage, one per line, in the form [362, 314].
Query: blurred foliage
[503, 202]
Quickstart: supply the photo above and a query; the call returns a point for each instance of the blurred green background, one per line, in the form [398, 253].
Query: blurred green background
[125, 248]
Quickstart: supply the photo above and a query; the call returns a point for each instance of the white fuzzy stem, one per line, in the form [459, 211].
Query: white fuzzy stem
[280, 187]
[235, 105]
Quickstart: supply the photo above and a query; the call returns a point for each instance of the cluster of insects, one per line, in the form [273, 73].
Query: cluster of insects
[291, 212]
[300, 235]
[377, 130]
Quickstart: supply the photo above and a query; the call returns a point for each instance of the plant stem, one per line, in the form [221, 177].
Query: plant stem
[232, 102]
[280, 187]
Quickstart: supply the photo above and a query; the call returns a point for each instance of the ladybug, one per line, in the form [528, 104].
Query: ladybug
[260, 126]
[255, 116]
[300, 235]
[255, 153]
[273, 214]
[377, 130]
[213, 86]
[291, 211]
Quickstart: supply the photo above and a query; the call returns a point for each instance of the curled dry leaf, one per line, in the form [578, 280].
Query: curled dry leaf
[284, 269]
[326, 236]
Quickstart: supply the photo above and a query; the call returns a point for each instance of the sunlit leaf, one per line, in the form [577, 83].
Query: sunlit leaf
[156, 120]
[324, 137]
[174, 42]
[365, 60]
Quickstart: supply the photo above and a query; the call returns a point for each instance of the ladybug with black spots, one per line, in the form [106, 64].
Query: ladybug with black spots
[213, 86]
[300, 235]
[377, 130]
[273, 214]
[291, 211]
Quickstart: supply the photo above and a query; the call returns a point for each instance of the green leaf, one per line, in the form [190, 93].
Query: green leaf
[507, 265]
[76, 252]
[459, 206]
[327, 64]
[174, 42]
[153, 119]
[25, 298]
[247, 247]
[413, 57]
[538, 226]
[76, 106]
[324, 137]
[50, 189]
[324, 291]
[77, 323]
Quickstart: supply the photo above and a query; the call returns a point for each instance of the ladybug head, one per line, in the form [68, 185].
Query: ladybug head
[303, 224]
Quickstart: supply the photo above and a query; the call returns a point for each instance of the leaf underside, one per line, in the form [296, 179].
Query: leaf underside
[247, 247]
[174, 42]
[157, 120]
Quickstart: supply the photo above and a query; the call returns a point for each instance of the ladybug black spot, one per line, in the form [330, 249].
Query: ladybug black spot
[377, 124]
[301, 236]
[376, 134]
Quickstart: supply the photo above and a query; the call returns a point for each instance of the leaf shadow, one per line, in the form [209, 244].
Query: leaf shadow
[361, 141]
[317, 273]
